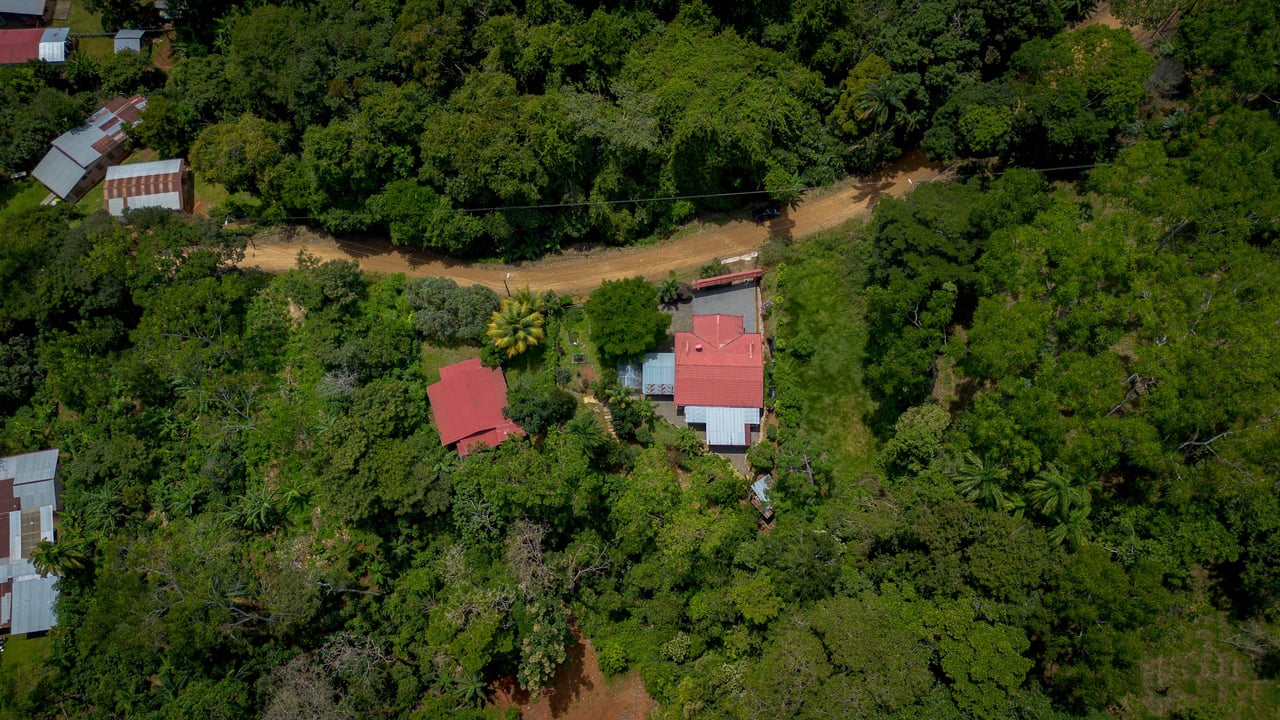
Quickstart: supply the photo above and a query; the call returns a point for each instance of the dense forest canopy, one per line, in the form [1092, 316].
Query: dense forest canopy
[1023, 423]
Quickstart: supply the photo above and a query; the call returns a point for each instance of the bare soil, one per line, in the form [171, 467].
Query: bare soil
[579, 272]
[579, 692]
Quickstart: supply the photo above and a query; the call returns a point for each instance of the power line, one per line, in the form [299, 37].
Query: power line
[703, 196]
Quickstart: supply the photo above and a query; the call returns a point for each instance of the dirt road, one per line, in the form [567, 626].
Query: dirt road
[580, 272]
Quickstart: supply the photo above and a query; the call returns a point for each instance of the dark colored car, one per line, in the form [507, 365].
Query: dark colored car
[761, 214]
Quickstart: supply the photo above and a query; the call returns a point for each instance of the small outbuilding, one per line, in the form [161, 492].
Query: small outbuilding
[159, 184]
[128, 39]
[467, 404]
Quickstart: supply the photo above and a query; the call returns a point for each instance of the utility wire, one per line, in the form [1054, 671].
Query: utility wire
[704, 196]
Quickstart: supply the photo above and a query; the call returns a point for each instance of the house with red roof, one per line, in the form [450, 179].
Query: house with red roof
[467, 404]
[719, 377]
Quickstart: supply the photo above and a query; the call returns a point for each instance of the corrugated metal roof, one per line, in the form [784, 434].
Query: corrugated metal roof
[30, 467]
[53, 45]
[725, 425]
[127, 40]
[467, 404]
[86, 144]
[33, 598]
[27, 492]
[22, 7]
[659, 374]
[36, 494]
[19, 46]
[718, 365]
[136, 170]
[58, 172]
[142, 185]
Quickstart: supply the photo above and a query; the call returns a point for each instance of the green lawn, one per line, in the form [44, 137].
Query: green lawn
[1196, 668]
[434, 358]
[100, 47]
[21, 668]
[81, 20]
[22, 195]
[818, 287]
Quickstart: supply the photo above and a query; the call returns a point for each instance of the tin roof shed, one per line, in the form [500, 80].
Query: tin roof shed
[128, 39]
[467, 404]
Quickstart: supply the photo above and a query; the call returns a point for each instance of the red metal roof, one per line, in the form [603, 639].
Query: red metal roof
[19, 46]
[8, 503]
[719, 365]
[729, 279]
[468, 402]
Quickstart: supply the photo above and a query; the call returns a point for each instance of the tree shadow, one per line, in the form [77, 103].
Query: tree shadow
[571, 679]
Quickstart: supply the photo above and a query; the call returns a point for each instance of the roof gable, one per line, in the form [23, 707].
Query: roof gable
[467, 404]
[719, 365]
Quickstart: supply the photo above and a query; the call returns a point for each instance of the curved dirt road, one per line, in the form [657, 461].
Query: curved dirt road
[581, 272]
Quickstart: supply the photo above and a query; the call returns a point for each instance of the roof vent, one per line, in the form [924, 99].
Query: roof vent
[698, 347]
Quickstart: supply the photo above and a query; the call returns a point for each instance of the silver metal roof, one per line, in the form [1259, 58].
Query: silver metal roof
[659, 374]
[33, 598]
[58, 172]
[168, 201]
[158, 167]
[22, 7]
[53, 45]
[739, 300]
[31, 467]
[725, 426]
[36, 494]
[129, 40]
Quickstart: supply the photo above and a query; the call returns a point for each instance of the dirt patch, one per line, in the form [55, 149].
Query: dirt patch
[576, 272]
[579, 692]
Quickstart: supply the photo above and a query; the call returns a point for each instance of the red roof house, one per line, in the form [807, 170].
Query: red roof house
[467, 403]
[719, 364]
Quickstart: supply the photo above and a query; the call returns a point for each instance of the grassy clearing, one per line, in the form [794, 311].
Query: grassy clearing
[21, 669]
[818, 287]
[20, 196]
[434, 358]
[81, 20]
[209, 195]
[1197, 669]
[99, 47]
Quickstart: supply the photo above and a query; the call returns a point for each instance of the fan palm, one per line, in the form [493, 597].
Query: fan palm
[515, 327]
[1055, 494]
[985, 484]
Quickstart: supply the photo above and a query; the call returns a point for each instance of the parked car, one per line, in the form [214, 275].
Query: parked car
[761, 214]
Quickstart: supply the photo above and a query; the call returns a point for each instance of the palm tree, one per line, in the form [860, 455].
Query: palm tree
[69, 553]
[879, 100]
[587, 429]
[984, 484]
[1054, 494]
[1070, 527]
[471, 690]
[515, 327]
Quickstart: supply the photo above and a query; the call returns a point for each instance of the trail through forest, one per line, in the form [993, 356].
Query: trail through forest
[579, 272]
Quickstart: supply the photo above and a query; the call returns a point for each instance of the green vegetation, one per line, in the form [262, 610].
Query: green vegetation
[1023, 441]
